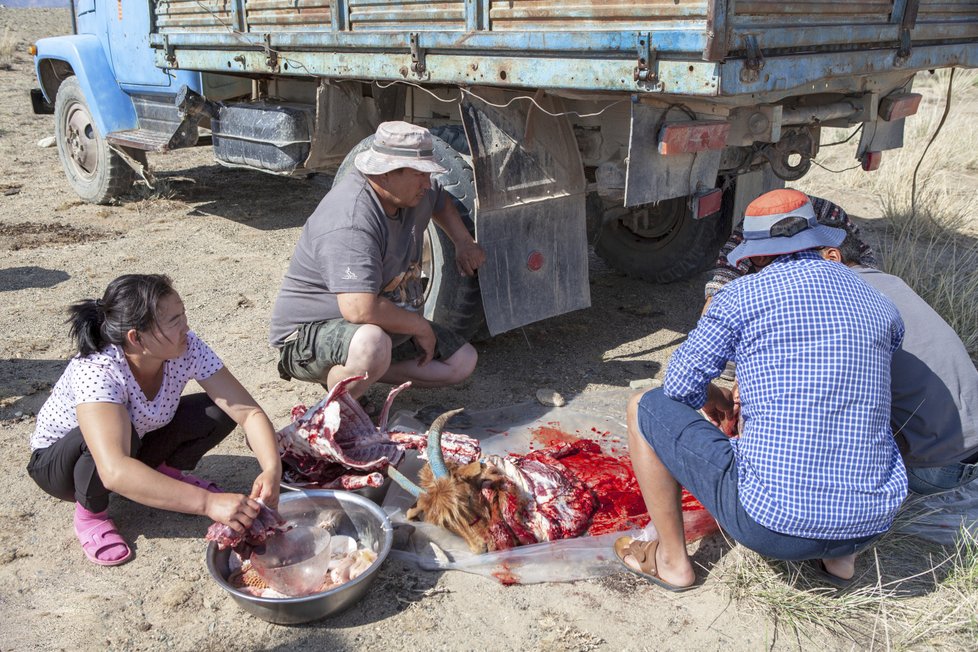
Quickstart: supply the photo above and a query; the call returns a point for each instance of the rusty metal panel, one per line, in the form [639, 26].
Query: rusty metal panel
[816, 13]
[946, 10]
[411, 15]
[174, 16]
[288, 15]
[529, 15]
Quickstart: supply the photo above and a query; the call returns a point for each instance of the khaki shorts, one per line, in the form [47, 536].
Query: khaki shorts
[321, 345]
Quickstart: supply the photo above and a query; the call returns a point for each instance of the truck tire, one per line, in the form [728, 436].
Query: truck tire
[94, 171]
[661, 243]
[451, 300]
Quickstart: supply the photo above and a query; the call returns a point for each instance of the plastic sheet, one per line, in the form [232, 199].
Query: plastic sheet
[522, 428]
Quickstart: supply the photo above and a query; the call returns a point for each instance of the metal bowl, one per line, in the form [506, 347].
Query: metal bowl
[354, 516]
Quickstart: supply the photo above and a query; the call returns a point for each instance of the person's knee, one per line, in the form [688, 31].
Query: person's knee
[370, 350]
[462, 363]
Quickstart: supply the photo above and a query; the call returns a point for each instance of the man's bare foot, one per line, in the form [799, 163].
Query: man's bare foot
[841, 567]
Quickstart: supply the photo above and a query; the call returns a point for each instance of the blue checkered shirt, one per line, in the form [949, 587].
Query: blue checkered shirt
[816, 457]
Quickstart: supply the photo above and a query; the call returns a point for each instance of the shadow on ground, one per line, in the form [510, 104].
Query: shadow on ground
[23, 278]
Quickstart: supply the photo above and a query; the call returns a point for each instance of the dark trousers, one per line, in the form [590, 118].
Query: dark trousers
[66, 468]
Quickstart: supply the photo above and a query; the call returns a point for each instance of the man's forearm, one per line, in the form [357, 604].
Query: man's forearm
[379, 311]
[449, 220]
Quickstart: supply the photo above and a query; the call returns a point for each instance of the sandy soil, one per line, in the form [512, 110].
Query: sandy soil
[225, 237]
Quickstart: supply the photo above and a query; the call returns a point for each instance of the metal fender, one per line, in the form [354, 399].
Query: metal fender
[111, 109]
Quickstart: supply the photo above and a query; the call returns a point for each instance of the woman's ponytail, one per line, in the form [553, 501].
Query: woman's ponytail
[86, 318]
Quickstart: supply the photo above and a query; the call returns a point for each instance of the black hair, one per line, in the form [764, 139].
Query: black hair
[850, 249]
[129, 302]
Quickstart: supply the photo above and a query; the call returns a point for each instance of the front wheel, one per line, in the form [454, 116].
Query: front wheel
[94, 171]
[662, 242]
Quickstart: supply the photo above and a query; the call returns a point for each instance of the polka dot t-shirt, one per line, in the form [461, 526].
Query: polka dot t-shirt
[105, 377]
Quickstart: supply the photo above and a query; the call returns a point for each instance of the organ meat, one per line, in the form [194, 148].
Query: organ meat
[268, 523]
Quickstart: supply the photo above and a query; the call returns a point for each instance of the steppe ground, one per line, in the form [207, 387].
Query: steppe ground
[225, 237]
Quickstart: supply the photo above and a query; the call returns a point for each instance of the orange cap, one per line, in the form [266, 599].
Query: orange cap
[777, 202]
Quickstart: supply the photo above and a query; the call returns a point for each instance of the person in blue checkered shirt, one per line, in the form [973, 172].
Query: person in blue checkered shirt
[815, 473]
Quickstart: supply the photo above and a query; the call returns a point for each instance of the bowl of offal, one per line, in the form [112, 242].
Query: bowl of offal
[321, 566]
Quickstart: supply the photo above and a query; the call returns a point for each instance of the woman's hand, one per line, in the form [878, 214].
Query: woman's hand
[237, 511]
[266, 487]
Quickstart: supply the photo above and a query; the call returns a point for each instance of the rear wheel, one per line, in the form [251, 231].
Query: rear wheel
[661, 243]
[451, 299]
[94, 171]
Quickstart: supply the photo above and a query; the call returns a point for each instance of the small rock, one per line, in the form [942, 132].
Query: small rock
[144, 626]
[645, 383]
[245, 302]
[18, 414]
[550, 397]
[46, 142]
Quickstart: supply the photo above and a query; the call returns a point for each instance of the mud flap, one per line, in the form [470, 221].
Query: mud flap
[343, 118]
[530, 207]
[652, 177]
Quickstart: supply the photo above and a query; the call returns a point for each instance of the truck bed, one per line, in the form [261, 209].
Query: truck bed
[696, 47]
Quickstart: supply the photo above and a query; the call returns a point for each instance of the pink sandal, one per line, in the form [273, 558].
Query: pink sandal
[100, 537]
[182, 476]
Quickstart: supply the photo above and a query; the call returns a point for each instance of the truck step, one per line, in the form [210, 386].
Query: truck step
[144, 139]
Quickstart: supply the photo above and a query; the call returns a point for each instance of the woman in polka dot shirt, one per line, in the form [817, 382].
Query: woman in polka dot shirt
[116, 420]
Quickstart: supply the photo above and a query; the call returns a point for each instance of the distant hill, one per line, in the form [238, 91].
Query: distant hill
[34, 3]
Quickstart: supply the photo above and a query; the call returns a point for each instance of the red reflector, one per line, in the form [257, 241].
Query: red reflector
[708, 203]
[535, 261]
[894, 107]
[871, 160]
[690, 137]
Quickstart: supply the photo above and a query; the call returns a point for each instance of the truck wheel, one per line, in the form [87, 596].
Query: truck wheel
[94, 171]
[451, 300]
[661, 243]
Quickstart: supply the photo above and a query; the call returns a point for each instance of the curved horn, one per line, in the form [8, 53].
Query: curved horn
[436, 459]
[404, 483]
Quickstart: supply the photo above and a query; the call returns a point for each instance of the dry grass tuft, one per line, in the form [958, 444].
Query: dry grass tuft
[8, 47]
[931, 240]
[908, 594]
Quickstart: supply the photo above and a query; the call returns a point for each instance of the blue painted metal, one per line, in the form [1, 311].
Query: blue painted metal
[834, 70]
[678, 41]
[111, 109]
[127, 31]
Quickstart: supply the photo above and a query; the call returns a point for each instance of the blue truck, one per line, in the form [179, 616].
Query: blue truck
[642, 126]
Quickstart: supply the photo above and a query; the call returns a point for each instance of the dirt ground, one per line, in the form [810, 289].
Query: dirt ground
[225, 237]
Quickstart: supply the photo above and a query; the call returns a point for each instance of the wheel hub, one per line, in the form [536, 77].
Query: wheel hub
[80, 140]
[655, 221]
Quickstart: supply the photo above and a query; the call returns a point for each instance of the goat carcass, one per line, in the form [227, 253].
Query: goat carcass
[336, 446]
[499, 503]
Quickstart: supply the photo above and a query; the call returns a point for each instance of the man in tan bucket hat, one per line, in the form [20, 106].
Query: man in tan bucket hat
[352, 301]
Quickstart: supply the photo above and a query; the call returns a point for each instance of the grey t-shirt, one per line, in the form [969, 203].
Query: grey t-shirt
[349, 244]
[934, 382]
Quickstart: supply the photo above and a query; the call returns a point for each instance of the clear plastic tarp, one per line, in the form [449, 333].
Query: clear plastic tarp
[519, 428]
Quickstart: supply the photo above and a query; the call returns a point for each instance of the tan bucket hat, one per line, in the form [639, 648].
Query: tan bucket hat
[399, 145]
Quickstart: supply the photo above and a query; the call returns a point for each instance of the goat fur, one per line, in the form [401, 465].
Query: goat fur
[457, 502]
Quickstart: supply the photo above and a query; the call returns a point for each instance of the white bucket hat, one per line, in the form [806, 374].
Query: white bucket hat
[399, 145]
